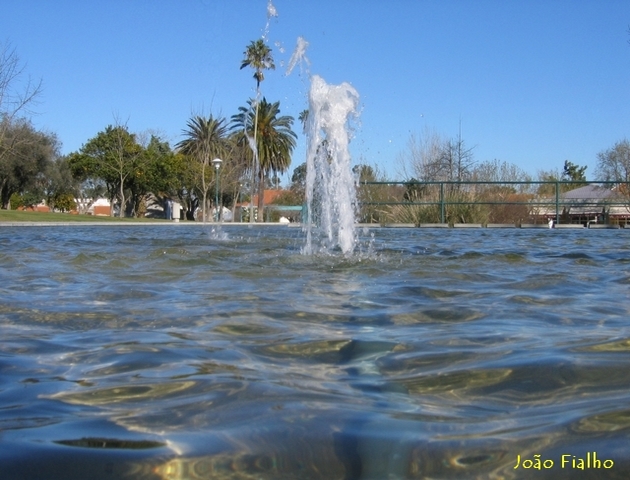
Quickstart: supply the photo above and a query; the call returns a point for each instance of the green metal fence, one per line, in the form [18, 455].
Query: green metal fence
[535, 201]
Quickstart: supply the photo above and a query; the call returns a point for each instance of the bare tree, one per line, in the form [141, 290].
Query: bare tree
[498, 171]
[614, 164]
[432, 158]
[460, 158]
[423, 152]
[17, 94]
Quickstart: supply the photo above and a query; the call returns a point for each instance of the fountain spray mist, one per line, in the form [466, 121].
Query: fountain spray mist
[271, 13]
[330, 184]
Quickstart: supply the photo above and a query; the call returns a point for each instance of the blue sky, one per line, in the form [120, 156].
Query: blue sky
[533, 82]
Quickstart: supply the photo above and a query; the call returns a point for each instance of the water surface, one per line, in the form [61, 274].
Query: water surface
[182, 352]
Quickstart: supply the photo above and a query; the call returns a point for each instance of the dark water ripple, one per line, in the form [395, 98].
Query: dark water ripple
[185, 352]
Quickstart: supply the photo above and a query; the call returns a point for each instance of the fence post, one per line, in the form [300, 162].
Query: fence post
[557, 202]
[442, 202]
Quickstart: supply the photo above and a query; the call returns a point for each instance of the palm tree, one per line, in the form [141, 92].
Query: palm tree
[206, 138]
[258, 56]
[303, 118]
[275, 140]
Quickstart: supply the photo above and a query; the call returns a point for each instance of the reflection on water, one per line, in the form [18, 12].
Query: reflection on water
[127, 393]
[177, 353]
[111, 443]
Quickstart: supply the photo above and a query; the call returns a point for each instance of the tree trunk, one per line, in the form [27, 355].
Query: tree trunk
[121, 212]
[236, 198]
[261, 196]
[255, 161]
[203, 187]
[6, 199]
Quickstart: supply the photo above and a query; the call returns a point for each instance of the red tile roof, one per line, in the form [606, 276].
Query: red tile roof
[268, 197]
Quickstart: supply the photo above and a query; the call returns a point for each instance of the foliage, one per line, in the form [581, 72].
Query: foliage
[548, 189]
[506, 207]
[493, 192]
[303, 119]
[457, 209]
[112, 156]
[288, 197]
[275, 139]
[371, 196]
[60, 186]
[115, 161]
[64, 202]
[414, 190]
[258, 56]
[298, 181]
[573, 172]
[156, 173]
[25, 154]
[205, 138]
[20, 201]
[89, 188]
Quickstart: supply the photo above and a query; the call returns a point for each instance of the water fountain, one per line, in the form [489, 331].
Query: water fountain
[330, 184]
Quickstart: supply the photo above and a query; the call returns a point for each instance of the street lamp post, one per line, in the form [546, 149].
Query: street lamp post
[217, 165]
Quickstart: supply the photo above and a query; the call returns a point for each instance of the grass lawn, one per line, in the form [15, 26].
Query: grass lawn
[50, 217]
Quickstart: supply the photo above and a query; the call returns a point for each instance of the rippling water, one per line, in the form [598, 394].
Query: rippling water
[181, 352]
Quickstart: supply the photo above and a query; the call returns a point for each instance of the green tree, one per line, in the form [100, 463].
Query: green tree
[303, 118]
[90, 185]
[414, 190]
[61, 187]
[65, 202]
[575, 174]
[162, 168]
[25, 154]
[113, 155]
[298, 181]
[187, 178]
[156, 174]
[275, 139]
[258, 56]
[206, 139]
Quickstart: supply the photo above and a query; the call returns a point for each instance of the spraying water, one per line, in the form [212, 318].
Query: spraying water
[271, 13]
[298, 56]
[330, 184]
